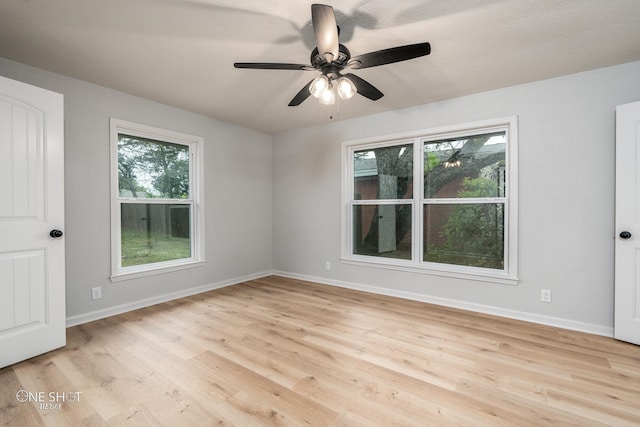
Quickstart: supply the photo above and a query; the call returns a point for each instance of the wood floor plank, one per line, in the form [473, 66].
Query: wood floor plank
[294, 408]
[12, 411]
[285, 352]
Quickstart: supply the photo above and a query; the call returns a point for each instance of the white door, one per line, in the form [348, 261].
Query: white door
[627, 247]
[32, 281]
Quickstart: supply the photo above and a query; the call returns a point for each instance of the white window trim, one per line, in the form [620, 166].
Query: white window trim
[416, 265]
[196, 183]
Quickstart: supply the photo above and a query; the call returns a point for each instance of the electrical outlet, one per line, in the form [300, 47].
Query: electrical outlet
[327, 265]
[96, 293]
[545, 295]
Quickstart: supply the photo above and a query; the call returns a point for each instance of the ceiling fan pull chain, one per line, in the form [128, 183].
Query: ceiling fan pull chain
[336, 109]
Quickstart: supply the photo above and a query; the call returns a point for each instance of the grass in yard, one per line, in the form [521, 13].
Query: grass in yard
[139, 248]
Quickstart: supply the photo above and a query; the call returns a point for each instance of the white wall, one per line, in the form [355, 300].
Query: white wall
[285, 215]
[237, 196]
[566, 223]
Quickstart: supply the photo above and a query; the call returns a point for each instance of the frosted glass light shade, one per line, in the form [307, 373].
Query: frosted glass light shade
[346, 88]
[328, 97]
[319, 86]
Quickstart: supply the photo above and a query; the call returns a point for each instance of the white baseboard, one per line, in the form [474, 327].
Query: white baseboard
[480, 308]
[123, 308]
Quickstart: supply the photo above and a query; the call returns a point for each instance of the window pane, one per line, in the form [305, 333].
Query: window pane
[148, 168]
[154, 233]
[383, 173]
[472, 166]
[382, 230]
[465, 234]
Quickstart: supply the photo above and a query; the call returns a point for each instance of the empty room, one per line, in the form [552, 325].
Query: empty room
[359, 213]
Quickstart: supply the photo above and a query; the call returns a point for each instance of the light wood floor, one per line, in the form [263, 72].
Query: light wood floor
[277, 351]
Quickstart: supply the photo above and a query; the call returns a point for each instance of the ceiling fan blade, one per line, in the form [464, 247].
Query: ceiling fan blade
[389, 56]
[301, 96]
[365, 88]
[273, 66]
[326, 30]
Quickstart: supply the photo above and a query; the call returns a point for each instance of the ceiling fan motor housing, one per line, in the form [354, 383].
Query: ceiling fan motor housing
[319, 61]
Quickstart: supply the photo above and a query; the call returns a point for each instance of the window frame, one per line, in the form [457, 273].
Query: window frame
[195, 200]
[509, 275]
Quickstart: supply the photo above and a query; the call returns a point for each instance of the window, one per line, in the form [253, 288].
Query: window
[441, 201]
[156, 200]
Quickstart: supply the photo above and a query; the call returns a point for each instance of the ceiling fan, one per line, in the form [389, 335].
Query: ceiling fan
[330, 57]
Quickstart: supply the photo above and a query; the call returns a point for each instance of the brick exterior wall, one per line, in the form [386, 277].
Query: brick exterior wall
[366, 188]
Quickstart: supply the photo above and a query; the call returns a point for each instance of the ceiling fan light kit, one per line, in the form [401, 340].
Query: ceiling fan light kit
[324, 88]
[331, 58]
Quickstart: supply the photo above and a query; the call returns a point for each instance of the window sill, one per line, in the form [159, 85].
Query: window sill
[161, 268]
[481, 275]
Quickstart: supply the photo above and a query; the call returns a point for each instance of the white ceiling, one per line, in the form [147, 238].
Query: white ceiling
[181, 52]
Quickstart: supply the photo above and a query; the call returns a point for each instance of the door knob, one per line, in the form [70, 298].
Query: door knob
[625, 235]
[56, 234]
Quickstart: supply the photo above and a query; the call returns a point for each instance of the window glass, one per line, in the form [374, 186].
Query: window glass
[152, 233]
[469, 234]
[450, 163]
[150, 169]
[383, 173]
[382, 230]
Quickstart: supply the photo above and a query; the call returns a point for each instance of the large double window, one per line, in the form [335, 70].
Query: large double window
[441, 201]
[156, 216]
